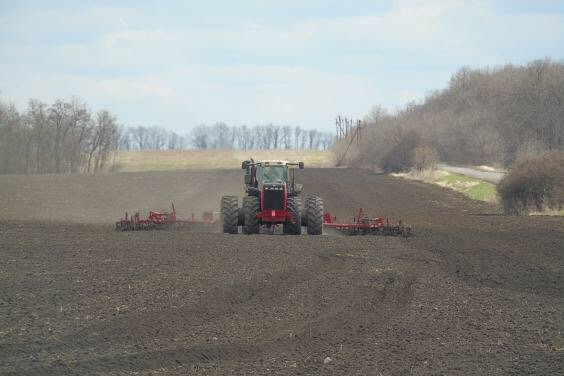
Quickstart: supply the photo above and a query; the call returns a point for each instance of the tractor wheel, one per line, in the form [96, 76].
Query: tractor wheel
[241, 215]
[251, 207]
[230, 214]
[305, 211]
[293, 226]
[315, 215]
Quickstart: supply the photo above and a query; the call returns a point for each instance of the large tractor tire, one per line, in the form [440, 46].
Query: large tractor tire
[251, 207]
[241, 216]
[230, 214]
[314, 215]
[293, 226]
[305, 211]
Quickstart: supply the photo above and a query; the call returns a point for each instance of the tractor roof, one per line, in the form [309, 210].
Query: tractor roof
[273, 162]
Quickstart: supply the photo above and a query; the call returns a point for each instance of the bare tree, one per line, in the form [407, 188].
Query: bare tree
[287, 137]
[60, 118]
[313, 139]
[125, 139]
[80, 129]
[297, 137]
[141, 137]
[243, 137]
[156, 138]
[276, 131]
[304, 139]
[12, 136]
[222, 136]
[103, 140]
[175, 142]
[38, 119]
[200, 137]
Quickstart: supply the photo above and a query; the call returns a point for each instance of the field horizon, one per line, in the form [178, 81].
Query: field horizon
[166, 160]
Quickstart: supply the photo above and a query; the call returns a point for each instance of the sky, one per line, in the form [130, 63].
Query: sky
[178, 64]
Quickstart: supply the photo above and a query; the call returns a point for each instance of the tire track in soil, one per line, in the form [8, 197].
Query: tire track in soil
[394, 295]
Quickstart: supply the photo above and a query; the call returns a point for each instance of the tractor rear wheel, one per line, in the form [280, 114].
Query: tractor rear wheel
[230, 214]
[314, 215]
[251, 207]
[293, 226]
[305, 211]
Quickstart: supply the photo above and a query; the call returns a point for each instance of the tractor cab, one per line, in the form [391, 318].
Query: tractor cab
[270, 173]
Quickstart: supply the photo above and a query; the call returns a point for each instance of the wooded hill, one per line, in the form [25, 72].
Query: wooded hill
[484, 116]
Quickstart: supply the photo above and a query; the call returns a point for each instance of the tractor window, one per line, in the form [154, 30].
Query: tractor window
[274, 174]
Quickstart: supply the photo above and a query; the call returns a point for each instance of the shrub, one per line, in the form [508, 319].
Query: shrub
[424, 157]
[534, 184]
[409, 152]
[400, 157]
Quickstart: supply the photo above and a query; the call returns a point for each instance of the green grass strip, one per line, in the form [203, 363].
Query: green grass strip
[476, 189]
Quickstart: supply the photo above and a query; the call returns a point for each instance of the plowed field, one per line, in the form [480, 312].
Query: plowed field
[473, 292]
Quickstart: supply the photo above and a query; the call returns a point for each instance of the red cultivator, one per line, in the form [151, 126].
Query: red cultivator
[161, 221]
[363, 225]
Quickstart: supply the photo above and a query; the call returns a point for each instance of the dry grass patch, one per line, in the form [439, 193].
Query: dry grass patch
[162, 160]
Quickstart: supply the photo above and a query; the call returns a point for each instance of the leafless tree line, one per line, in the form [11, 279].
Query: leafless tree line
[484, 116]
[63, 137]
[151, 138]
[67, 137]
[270, 136]
[223, 136]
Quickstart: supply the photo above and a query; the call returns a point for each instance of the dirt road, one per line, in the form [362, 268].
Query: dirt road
[491, 176]
[474, 292]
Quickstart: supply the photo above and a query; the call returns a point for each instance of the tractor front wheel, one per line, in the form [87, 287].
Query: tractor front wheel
[293, 226]
[230, 214]
[251, 207]
[314, 215]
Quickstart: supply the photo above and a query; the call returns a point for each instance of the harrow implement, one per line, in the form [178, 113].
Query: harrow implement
[363, 225]
[161, 221]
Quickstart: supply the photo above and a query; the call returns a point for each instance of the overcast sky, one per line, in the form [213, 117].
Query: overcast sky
[297, 62]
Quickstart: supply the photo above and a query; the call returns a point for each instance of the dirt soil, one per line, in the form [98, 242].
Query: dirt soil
[472, 293]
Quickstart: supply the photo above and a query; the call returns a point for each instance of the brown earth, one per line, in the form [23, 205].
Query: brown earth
[473, 292]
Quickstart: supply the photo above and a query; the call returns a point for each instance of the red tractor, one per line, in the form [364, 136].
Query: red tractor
[272, 199]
